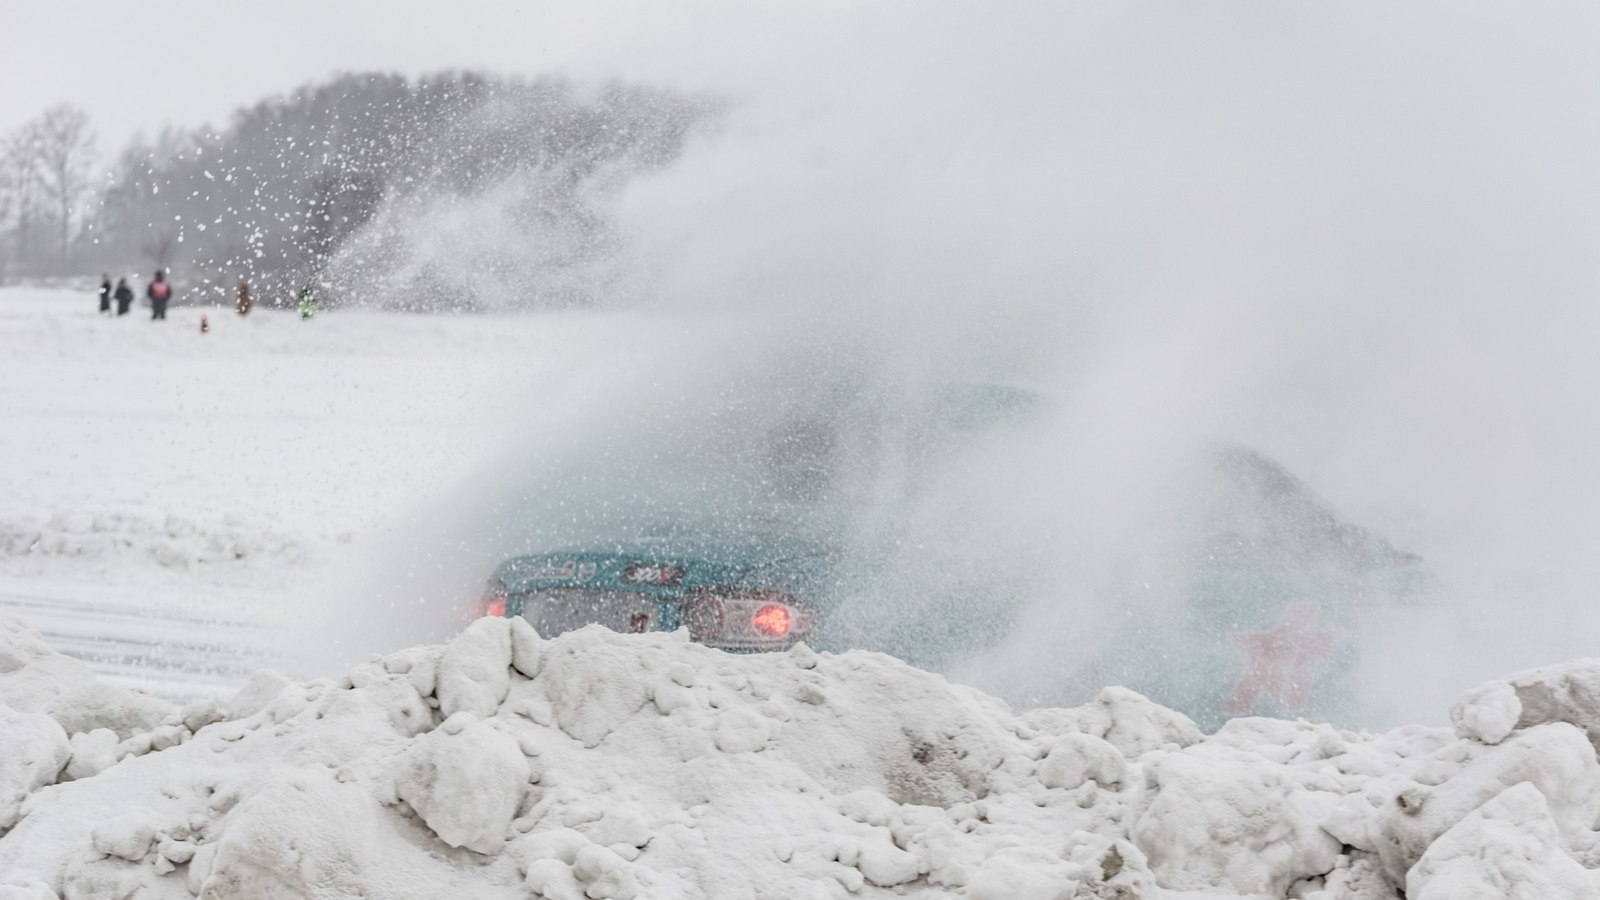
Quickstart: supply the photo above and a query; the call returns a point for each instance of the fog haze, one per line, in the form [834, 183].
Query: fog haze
[1359, 237]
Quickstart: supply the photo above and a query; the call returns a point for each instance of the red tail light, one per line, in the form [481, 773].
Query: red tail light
[494, 600]
[772, 620]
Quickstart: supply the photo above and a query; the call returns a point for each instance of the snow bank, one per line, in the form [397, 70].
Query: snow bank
[598, 765]
[1507, 848]
[172, 541]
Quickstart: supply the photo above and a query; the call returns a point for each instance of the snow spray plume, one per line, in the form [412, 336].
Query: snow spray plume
[1352, 249]
[505, 212]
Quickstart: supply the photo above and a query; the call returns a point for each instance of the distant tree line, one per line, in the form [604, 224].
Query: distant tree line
[46, 169]
[457, 190]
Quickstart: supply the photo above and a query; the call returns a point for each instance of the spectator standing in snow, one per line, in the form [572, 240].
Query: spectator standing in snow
[124, 296]
[159, 292]
[244, 297]
[105, 294]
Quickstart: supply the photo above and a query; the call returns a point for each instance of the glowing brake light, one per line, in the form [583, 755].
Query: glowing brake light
[772, 620]
[494, 599]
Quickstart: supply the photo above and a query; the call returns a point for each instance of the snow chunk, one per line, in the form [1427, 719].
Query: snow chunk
[1428, 793]
[1222, 820]
[594, 683]
[1113, 869]
[92, 753]
[258, 693]
[526, 648]
[1129, 721]
[129, 836]
[419, 665]
[1507, 849]
[1569, 692]
[33, 751]
[1356, 877]
[1487, 713]
[886, 865]
[301, 835]
[741, 731]
[465, 780]
[474, 672]
[407, 711]
[560, 844]
[1024, 873]
[1078, 758]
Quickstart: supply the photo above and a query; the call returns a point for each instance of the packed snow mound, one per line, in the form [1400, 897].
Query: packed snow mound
[1488, 712]
[1569, 692]
[1506, 849]
[600, 765]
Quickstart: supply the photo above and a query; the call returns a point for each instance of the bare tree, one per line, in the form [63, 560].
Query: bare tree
[66, 155]
[9, 203]
[21, 191]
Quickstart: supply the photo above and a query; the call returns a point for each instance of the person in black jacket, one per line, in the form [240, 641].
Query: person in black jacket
[105, 293]
[124, 296]
[159, 292]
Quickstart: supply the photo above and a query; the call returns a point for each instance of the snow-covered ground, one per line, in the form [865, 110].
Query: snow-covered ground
[185, 509]
[175, 503]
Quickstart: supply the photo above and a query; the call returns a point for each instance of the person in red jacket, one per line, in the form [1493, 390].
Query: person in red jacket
[159, 292]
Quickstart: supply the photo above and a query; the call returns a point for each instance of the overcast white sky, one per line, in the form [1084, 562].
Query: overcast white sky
[136, 65]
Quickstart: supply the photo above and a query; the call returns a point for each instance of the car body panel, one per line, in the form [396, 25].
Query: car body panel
[715, 592]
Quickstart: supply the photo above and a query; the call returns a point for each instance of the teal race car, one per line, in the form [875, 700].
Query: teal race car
[850, 519]
[742, 598]
[752, 537]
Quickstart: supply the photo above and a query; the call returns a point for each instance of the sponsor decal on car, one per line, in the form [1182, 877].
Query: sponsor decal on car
[654, 574]
[1282, 663]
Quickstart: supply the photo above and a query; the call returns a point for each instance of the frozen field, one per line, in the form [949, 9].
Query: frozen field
[171, 499]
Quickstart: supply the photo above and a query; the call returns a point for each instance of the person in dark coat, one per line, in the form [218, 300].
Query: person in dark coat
[159, 292]
[105, 293]
[244, 297]
[124, 296]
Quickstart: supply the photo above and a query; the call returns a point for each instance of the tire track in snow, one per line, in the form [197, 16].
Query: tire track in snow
[173, 652]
